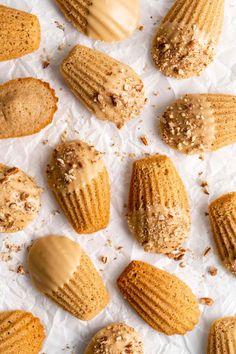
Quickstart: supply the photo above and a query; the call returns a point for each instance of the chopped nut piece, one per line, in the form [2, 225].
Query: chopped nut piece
[207, 251]
[141, 28]
[144, 140]
[104, 259]
[213, 271]
[20, 270]
[206, 301]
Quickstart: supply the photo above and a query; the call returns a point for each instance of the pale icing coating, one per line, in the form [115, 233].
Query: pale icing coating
[188, 125]
[19, 199]
[117, 338]
[52, 261]
[73, 165]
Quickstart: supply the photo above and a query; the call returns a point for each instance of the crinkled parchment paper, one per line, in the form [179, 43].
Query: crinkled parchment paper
[66, 334]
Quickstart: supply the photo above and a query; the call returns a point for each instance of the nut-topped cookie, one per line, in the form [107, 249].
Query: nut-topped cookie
[79, 179]
[222, 336]
[108, 88]
[19, 199]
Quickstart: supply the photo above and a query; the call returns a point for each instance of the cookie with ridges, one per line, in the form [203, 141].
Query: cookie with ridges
[79, 179]
[222, 214]
[19, 33]
[222, 336]
[60, 269]
[163, 301]
[198, 123]
[187, 38]
[108, 88]
[158, 207]
[20, 332]
[98, 19]
[27, 105]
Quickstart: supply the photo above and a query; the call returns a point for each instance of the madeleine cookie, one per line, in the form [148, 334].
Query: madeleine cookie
[20, 333]
[107, 21]
[117, 338]
[196, 123]
[108, 88]
[61, 270]
[222, 336]
[19, 199]
[19, 33]
[26, 106]
[186, 41]
[222, 214]
[164, 301]
[79, 179]
[158, 208]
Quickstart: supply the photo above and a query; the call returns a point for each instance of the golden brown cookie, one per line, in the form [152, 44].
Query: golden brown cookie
[79, 179]
[61, 270]
[158, 208]
[186, 41]
[222, 214]
[27, 105]
[165, 302]
[108, 88]
[19, 33]
[196, 123]
[20, 333]
[222, 336]
[117, 338]
[106, 21]
[19, 199]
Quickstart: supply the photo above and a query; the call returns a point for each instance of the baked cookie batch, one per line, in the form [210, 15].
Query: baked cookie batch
[158, 207]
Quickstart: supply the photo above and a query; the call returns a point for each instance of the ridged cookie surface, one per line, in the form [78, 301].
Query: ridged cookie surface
[19, 33]
[165, 302]
[27, 105]
[222, 214]
[104, 20]
[78, 177]
[19, 199]
[117, 338]
[108, 88]
[158, 208]
[186, 41]
[222, 336]
[197, 123]
[20, 333]
[61, 270]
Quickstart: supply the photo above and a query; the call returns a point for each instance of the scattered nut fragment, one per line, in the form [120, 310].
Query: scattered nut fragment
[104, 259]
[207, 251]
[59, 25]
[213, 271]
[206, 301]
[141, 28]
[20, 270]
[144, 140]
[205, 187]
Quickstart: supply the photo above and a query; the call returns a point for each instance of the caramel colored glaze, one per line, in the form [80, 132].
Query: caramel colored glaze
[222, 213]
[108, 88]
[162, 300]
[79, 179]
[19, 33]
[158, 209]
[19, 199]
[26, 106]
[116, 338]
[20, 333]
[103, 20]
[186, 41]
[196, 123]
[61, 270]
[222, 336]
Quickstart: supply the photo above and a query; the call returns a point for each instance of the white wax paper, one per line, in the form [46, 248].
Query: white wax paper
[66, 334]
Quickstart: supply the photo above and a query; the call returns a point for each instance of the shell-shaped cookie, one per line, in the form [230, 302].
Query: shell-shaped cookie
[19, 199]
[19, 33]
[79, 179]
[20, 333]
[61, 270]
[116, 338]
[27, 105]
[186, 41]
[108, 88]
[196, 123]
[222, 336]
[165, 302]
[158, 208]
[222, 214]
[107, 21]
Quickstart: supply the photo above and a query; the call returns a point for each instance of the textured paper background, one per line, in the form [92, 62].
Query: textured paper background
[29, 153]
